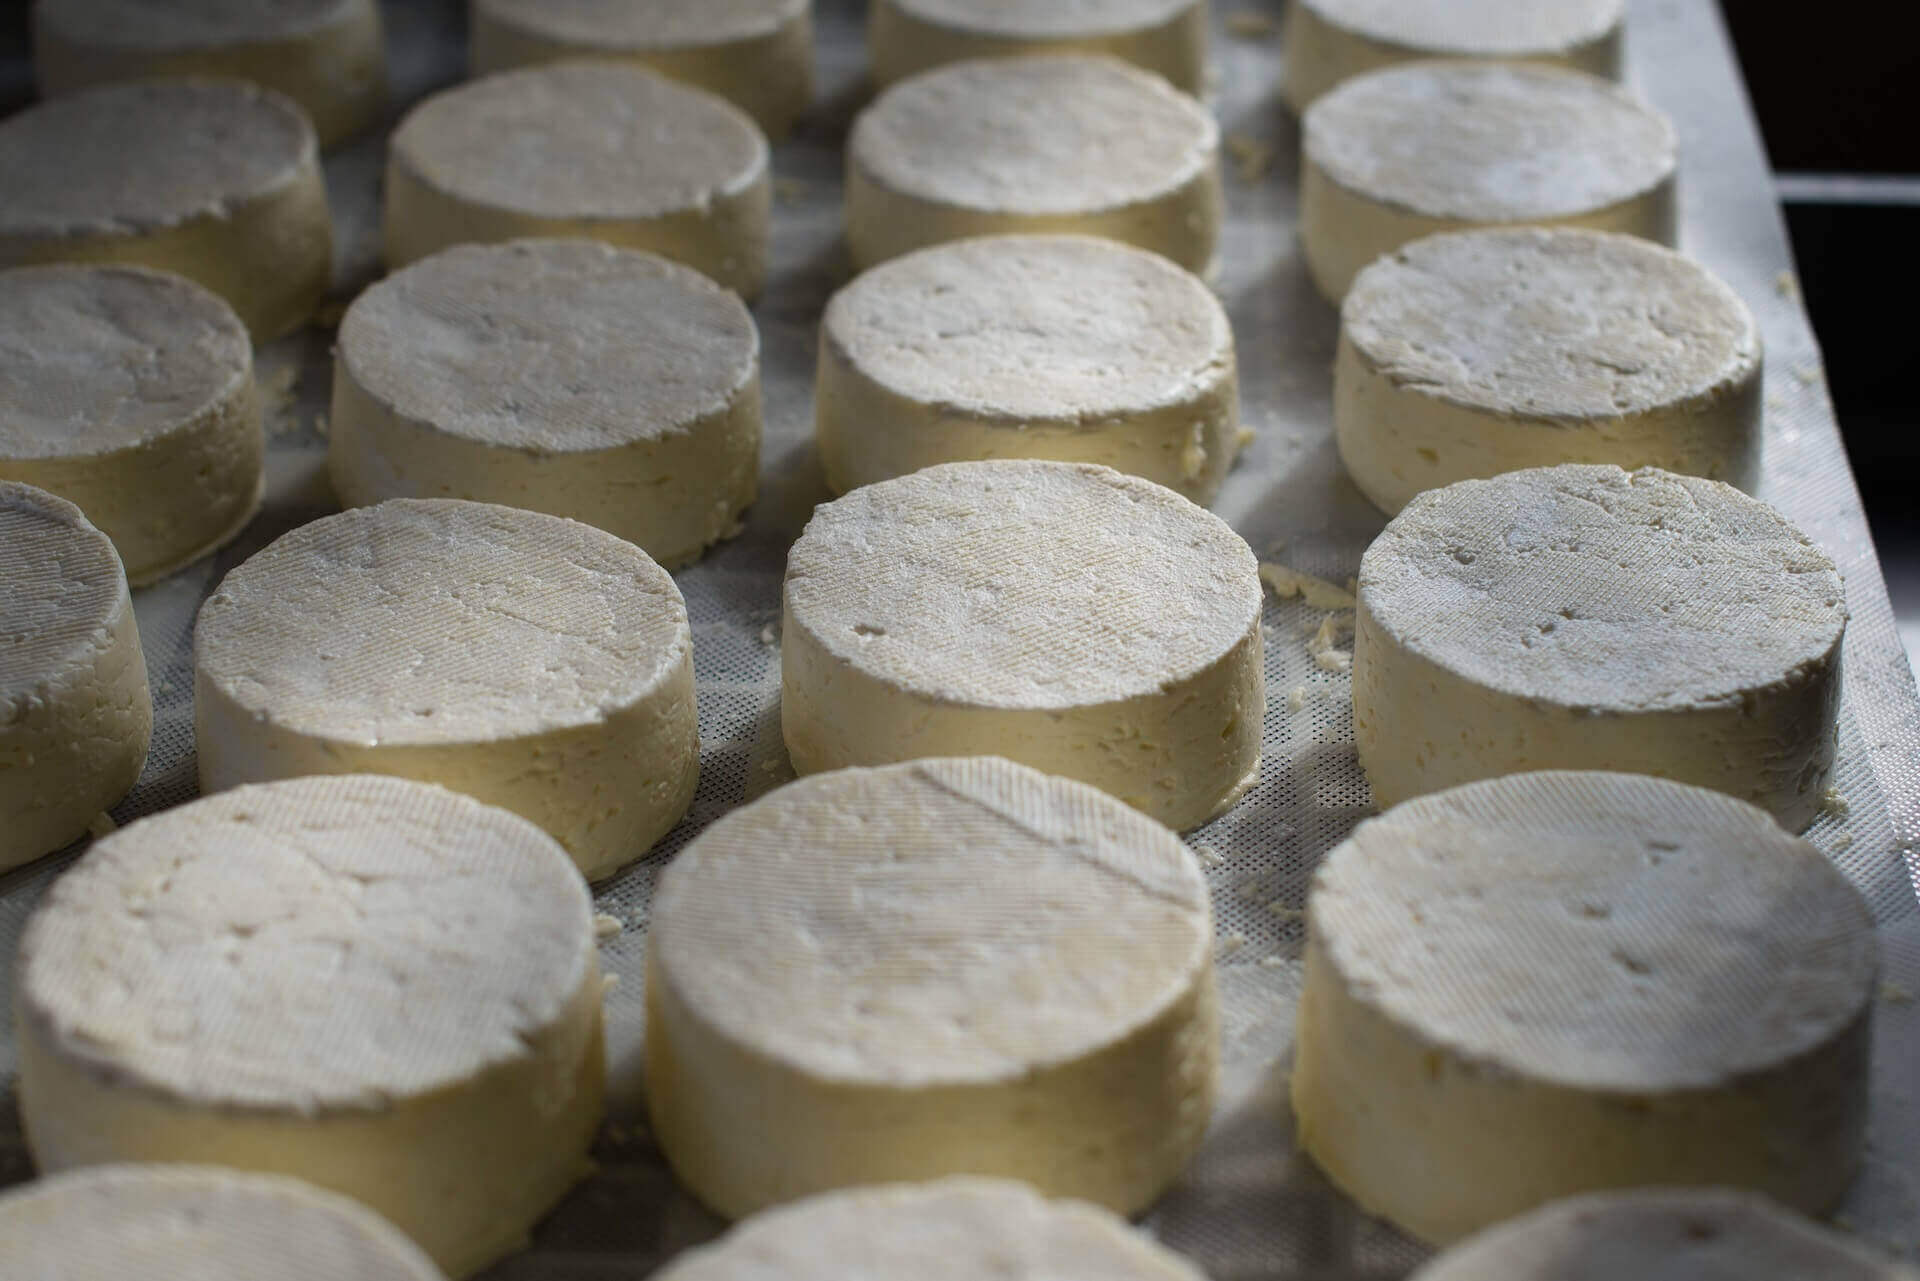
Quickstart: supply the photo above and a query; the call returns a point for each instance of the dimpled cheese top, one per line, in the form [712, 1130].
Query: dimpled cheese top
[1473, 26]
[61, 591]
[1042, 19]
[187, 24]
[658, 24]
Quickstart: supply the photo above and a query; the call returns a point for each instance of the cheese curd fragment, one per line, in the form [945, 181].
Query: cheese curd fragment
[1395, 155]
[536, 663]
[378, 986]
[1583, 617]
[757, 54]
[1327, 42]
[1482, 352]
[596, 149]
[1089, 624]
[130, 393]
[958, 1229]
[943, 967]
[173, 1222]
[1662, 1234]
[1164, 36]
[1556, 983]
[217, 181]
[75, 710]
[1065, 347]
[1042, 144]
[562, 376]
[329, 56]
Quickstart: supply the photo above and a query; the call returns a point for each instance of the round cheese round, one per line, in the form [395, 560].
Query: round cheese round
[329, 56]
[216, 180]
[1662, 1234]
[1584, 617]
[1395, 155]
[384, 988]
[75, 710]
[1480, 352]
[955, 966]
[112, 1222]
[1065, 347]
[1327, 42]
[1169, 37]
[1554, 983]
[534, 662]
[757, 54]
[955, 1229]
[596, 149]
[130, 392]
[1087, 623]
[562, 376]
[1003, 145]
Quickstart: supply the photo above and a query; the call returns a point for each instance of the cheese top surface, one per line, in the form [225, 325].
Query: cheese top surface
[654, 25]
[1595, 588]
[1023, 584]
[106, 1223]
[62, 585]
[582, 139]
[1016, 133]
[938, 922]
[96, 358]
[161, 25]
[1603, 931]
[1550, 323]
[1474, 26]
[1029, 327]
[1042, 19]
[131, 158]
[423, 621]
[1489, 143]
[315, 944]
[955, 1229]
[550, 345]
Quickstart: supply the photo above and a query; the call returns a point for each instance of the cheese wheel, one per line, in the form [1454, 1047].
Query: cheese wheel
[1395, 155]
[1584, 617]
[1481, 352]
[596, 149]
[329, 56]
[561, 376]
[166, 1222]
[536, 663]
[130, 393]
[1003, 145]
[1663, 1234]
[1065, 347]
[956, 1229]
[757, 54]
[381, 987]
[1327, 42]
[953, 966]
[75, 710]
[1555, 983]
[1089, 624]
[216, 180]
[1168, 37]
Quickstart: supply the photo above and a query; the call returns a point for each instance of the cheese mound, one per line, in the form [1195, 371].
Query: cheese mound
[1169, 37]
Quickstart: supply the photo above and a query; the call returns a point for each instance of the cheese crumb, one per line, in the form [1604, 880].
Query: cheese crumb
[1252, 157]
[1232, 943]
[605, 926]
[766, 634]
[1834, 805]
[1318, 593]
[102, 825]
[1894, 994]
[1297, 699]
[1209, 857]
[1326, 645]
[1787, 285]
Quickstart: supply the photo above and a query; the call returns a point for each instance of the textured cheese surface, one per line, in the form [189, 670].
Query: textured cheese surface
[189, 24]
[61, 592]
[169, 1222]
[657, 24]
[1474, 27]
[951, 1230]
[1044, 19]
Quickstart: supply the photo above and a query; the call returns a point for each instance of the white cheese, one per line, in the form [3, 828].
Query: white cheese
[757, 54]
[536, 663]
[1169, 37]
[1060, 143]
[1315, 593]
[1065, 347]
[130, 393]
[1584, 617]
[562, 376]
[381, 987]
[1555, 983]
[955, 966]
[75, 709]
[1398, 154]
[597, 149]
[1086, 623]
[218, 181]
[1483, 352]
